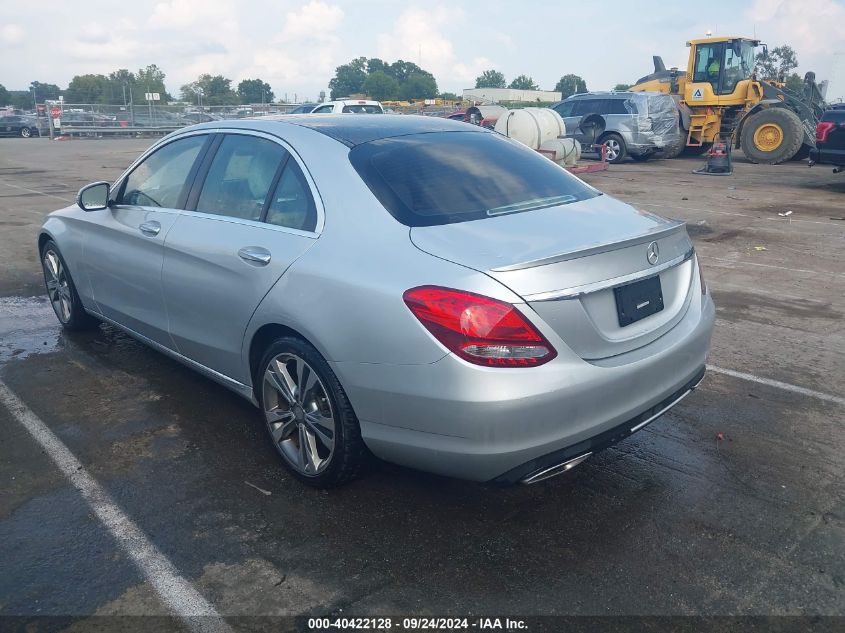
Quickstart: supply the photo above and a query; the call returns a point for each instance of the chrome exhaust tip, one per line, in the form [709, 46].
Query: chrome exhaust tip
[552, 471]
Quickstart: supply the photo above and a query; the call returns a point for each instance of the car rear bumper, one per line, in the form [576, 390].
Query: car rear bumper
[821, 156]
[484, 424]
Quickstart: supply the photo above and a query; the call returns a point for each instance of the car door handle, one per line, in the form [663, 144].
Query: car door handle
[150, 228]
[255, 254]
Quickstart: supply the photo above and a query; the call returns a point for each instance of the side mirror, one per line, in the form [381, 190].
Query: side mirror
[94, 197]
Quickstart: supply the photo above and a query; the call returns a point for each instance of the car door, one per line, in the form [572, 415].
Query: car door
[123, 248]
[252, 213]
[7, 124]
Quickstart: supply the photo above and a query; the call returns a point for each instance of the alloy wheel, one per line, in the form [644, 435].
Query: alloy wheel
[299, 414]
[58, 287]
[613, 149]
[25, 132]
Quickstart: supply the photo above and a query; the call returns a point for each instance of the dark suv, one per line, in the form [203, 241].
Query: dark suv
[830, 140]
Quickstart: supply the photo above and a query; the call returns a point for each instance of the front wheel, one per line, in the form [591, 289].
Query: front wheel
[308, 415]
[26, 132]
[771, 136]
[62, 292]
[616, 150]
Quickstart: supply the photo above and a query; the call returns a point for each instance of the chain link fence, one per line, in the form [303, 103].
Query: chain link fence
[96, 120]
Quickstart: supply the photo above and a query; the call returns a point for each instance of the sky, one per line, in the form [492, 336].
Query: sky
[296, 45]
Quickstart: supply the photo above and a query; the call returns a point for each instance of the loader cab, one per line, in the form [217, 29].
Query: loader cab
[718, 69]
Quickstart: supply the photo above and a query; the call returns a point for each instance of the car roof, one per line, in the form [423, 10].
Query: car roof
[349, 129]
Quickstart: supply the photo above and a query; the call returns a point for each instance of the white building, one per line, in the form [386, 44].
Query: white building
[495, 95]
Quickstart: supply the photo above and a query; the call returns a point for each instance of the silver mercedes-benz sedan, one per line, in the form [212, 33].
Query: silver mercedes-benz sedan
[416, 288]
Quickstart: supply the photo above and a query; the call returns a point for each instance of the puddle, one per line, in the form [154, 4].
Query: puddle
[28, 326]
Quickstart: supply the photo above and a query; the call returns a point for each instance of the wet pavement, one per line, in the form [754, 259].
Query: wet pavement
[672, 521]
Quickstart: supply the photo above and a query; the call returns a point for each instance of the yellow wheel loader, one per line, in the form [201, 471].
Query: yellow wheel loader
[720, 97]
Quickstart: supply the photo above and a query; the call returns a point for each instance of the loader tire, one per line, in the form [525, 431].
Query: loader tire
[772, 136]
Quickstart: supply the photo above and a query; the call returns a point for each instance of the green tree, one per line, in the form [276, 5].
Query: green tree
[375, 64]
[5, 97]
[449, 96]
[419, 85]
[618, 87]
[570, 85]
[44, 91]
[381, 86]
[776, 63]
[255, 91]
[523, 82]
[794, 83]
[490, 79]
[349, 78]
[216, 90]
[150, 79]
[21, 99]
[401, 71]
[88, 88]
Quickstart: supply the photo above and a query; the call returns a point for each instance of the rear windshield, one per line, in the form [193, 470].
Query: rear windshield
[448, 177]
[362, 109]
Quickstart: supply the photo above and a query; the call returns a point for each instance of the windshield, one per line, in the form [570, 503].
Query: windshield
[448, 177]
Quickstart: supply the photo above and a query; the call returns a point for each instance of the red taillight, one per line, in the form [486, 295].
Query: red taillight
[823, 128]
[479, 329]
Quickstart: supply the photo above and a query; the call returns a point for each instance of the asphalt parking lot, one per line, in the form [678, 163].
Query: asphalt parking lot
[731, 504]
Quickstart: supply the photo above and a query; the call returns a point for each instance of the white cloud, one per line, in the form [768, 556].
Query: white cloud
[12, 34]
[812, 27]
[306, 47]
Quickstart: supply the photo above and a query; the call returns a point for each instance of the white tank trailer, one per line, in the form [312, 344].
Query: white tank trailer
[541, 129]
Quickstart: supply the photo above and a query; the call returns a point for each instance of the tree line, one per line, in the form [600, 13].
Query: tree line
[376, 78]
[568, 85]
[126, 87]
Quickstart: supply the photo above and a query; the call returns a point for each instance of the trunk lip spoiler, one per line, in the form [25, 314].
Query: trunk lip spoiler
[579, 291]
[657, 233]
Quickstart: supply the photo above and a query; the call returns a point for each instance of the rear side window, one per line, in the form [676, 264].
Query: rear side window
[240, 177]
[448, 177]
[564, 109]
[161, 180]
[292, 204]
[616, 106]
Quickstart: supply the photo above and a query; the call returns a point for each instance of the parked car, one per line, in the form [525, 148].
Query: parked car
[304, 108]
[481, 314]
[635, 124]
[16, 125]
[830, 140]
[349, 106]
[199, 117]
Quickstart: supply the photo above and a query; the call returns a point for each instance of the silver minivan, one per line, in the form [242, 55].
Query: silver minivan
[635, 124]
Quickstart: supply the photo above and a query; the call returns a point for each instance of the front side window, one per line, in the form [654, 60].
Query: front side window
[708, 60]
[323, 109]
[449, 177]
[564, 109]
[240, 177]
[292, 204]
[739, 64]
[162, 179]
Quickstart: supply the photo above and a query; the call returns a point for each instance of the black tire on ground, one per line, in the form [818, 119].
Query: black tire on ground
[60, 286]
[26, 132]
[349, 454]
[612, 138]
[803, 153]
[792, 136]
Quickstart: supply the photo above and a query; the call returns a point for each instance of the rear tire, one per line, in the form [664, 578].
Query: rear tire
[308, 416]
[616, 149]
[62, 292]
[772, 136]
[26, 132]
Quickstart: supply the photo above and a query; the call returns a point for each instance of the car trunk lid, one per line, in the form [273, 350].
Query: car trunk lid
[566, 262]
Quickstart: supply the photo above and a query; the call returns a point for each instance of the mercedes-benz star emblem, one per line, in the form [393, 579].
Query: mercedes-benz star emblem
[652, 253]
